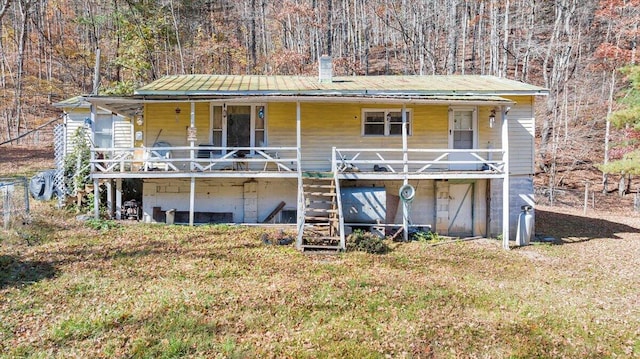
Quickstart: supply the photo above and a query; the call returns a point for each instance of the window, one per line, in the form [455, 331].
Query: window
[238, 126]
[384, 122]
[103, 131]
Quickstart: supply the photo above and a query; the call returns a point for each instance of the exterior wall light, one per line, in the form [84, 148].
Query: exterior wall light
[492, 118]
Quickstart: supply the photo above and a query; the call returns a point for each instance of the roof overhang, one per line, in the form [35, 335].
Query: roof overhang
[132, 106]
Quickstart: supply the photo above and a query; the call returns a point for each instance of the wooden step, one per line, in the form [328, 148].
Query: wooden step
[316, 218]
[316, 201]
[319, 226]
[325, 186]
[314, 248]
[320, 194]
[321, 210]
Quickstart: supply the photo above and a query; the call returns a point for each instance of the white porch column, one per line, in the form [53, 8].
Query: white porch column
[505, 180]
[191, 135]
[192, 141]
[405, 169]
[96, 199]
[300, 214]
[192, 199]
[96, 189]
[110, 201]
[119, 198]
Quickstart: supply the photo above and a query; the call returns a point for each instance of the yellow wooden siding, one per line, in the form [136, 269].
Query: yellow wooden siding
[161, 123]
[325, 125]
[281, 124]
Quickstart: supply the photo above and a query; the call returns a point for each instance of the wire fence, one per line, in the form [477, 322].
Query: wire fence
[14, 202]
[586, 198]
[37, 137]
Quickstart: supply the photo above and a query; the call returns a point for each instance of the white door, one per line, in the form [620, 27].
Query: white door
[461, 209]
[462, 136]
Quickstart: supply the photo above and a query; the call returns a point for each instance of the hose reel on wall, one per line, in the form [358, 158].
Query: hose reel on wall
[407, 193]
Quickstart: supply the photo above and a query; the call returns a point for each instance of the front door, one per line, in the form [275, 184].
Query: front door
[462, 136]
[239, 126]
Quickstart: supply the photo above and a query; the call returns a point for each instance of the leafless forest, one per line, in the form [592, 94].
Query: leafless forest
[574, 48]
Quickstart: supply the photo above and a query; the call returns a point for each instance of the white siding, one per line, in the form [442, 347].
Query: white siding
[521, 136]
[122, 132]
[74, 120]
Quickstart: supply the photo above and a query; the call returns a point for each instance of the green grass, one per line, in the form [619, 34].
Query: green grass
[149, 291]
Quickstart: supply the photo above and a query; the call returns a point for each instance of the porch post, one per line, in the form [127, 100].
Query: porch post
[192, 199]
[96, 199]
[192, 141]
[110, 201]
[300, 212]
[119, 198]
[192, 137]
[505, 180]
[405, 169]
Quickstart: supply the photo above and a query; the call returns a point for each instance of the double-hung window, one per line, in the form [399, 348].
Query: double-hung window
[384, 122]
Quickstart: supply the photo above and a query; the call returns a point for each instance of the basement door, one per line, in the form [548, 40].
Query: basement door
[461, 209]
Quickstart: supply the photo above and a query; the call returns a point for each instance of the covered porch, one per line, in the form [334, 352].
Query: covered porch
[197, 160]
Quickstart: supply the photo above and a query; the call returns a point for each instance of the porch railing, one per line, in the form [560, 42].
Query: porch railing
[417, 160]
[198, 159]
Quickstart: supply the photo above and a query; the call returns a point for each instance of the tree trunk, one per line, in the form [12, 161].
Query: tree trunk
[452, 38]
[607, 131]
[24, 19]
[329, 25]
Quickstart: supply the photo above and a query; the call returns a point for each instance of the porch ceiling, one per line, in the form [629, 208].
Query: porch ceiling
[121, 105]
[131, 106]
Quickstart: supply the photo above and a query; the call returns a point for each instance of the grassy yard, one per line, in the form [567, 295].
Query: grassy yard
[132, 290]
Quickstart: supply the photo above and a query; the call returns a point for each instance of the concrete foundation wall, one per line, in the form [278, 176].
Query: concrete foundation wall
[521, 194]
[248, 200]
[252, 200]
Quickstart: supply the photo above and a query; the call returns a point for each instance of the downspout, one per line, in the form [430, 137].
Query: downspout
[192, 189]
[300, 212]
[405, 169]
[505, 181]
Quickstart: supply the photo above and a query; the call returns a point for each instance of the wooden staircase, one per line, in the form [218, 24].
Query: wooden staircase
[321, 228]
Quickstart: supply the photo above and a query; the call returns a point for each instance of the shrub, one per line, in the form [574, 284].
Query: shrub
[101, 224]
[366, 242]
[425, 236]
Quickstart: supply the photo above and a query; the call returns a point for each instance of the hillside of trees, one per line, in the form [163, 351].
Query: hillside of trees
[575, 48]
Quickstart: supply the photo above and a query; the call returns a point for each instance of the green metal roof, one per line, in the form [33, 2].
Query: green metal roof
[77, 101]
[261, 85]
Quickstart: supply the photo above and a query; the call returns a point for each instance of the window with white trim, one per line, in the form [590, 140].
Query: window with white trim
[384, 122]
